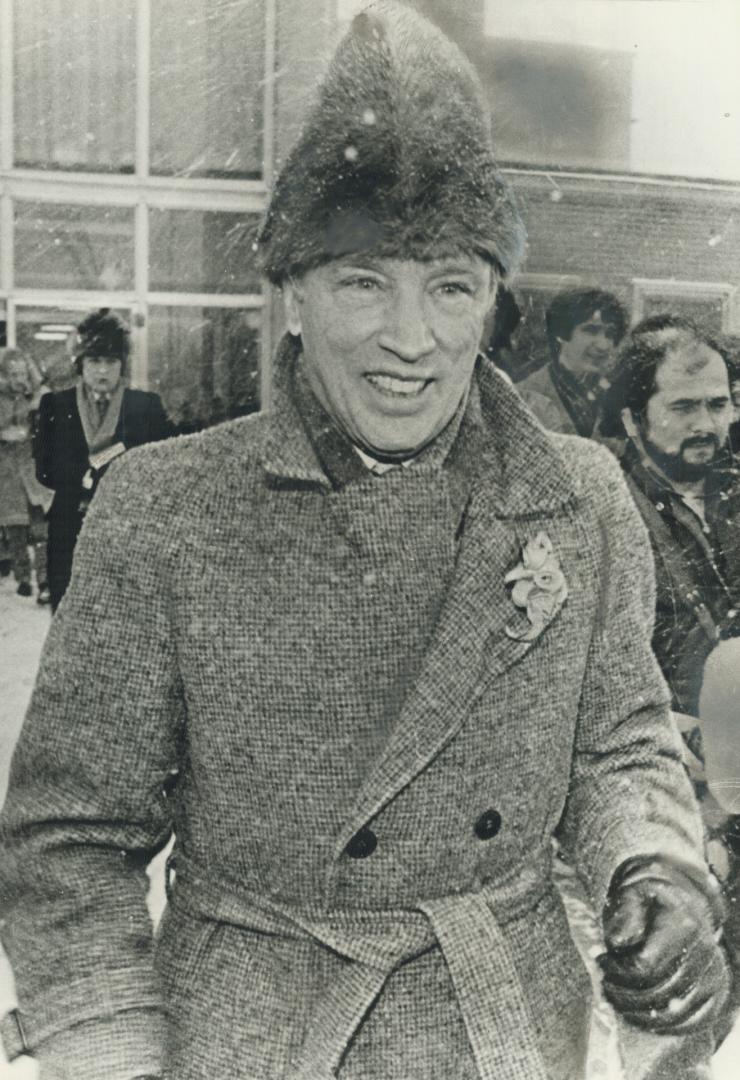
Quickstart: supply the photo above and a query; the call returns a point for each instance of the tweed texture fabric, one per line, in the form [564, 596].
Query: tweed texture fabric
[236, 634]
[395, 157]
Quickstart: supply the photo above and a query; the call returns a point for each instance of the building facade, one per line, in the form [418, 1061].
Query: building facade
[138, 139]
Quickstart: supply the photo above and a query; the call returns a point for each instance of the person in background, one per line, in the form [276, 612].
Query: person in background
[499, 337]
[584, 326]
[82, 429]
[23, 501]
[366, 654]
[671, 398]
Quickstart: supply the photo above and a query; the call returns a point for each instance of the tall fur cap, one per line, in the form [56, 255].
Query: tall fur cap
[395, 157]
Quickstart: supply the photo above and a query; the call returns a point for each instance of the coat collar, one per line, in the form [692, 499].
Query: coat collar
[521, 462]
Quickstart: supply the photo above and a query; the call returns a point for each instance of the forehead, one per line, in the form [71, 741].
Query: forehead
[691, 370]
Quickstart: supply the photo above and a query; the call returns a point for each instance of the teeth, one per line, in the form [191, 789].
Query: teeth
[397, 386]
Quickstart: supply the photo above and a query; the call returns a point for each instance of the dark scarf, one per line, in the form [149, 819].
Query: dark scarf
[580, 403]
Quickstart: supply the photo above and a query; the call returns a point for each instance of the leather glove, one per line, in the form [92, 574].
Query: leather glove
[664, 969]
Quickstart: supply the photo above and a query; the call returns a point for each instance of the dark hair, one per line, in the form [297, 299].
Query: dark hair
[575, 306]
[730, 346]
[641, 355]
[101, 333]
[507, 316]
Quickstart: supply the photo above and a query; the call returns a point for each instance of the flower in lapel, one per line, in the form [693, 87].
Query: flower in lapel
[539, 586]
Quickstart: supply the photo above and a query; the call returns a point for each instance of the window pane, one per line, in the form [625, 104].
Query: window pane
[75, 84]
[207, 87]
[707, 311]
[74, 247]
[3, 326]
[202, 251]
[204, 362]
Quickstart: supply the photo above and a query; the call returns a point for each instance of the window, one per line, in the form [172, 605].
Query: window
[58, 245]
[75, 84]
[207, 78]
[707, 303]
[202, 251]
[204, 362]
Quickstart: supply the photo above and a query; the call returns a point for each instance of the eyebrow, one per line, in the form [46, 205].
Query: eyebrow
[698, 400]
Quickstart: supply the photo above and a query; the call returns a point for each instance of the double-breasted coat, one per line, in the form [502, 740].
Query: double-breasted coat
[318, 688]
[63, 459]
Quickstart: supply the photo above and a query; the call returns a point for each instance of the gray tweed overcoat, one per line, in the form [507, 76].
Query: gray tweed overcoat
[317, 687]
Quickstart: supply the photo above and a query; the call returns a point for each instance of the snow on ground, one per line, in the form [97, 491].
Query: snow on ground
[23, 627]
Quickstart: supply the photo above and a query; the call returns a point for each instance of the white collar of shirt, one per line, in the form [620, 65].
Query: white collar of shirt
[379, 468]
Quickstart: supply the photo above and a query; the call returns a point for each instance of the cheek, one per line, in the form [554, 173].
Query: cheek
[460, 337]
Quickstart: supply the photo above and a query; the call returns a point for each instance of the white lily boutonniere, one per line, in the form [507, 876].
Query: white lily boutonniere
[539, 586]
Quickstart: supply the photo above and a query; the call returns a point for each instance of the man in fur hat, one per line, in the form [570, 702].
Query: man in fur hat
[365, 655]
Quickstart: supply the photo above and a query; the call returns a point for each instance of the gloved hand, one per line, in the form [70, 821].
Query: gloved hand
[664, 969]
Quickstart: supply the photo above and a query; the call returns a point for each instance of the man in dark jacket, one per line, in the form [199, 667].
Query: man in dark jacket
[671, 397]
[584, 326]
[81, 430]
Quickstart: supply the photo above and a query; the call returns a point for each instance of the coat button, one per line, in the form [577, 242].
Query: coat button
[362, 844]
[487, 825]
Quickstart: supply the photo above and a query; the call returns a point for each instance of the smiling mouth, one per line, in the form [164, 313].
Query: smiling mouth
[395, 387]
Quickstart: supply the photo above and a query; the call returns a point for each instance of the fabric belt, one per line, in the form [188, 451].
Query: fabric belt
[467, 929]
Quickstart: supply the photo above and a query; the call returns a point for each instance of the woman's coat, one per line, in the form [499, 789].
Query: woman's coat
[344, 904]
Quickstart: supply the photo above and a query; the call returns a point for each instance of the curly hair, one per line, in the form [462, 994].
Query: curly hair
[635, 371]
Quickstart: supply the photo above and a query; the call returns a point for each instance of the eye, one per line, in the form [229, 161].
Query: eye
[455, 288]
[361, 283]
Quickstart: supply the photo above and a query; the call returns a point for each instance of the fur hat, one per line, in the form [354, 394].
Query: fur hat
[395, 157]
[101, 333]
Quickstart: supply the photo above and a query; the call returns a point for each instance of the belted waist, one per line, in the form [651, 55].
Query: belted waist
[466, 927]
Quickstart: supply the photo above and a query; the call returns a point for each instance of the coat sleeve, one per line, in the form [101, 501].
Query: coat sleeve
[629, 792]
[159, 425]
[86, 806]
[43, 443]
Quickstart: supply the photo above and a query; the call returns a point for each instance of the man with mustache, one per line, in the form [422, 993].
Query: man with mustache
[671, 397]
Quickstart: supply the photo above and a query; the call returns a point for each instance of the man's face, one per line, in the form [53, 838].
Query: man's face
[101, 373]
[687, 419]
[390, 344]
[590, 348]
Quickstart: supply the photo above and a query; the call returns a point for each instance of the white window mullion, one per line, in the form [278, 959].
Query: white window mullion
[6, 85]
[6, 244]
[143, 64]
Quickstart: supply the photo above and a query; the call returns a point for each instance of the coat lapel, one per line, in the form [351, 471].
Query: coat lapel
[521, 484]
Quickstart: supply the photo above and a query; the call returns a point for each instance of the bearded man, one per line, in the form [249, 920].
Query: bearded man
[672, 398]
[365, 654]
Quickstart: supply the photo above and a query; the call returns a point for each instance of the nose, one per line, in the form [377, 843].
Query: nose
[602, 345]
[406, 329]
[707, 421]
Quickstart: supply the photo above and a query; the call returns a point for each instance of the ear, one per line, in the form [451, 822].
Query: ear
[630, 423]
[292, 300]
